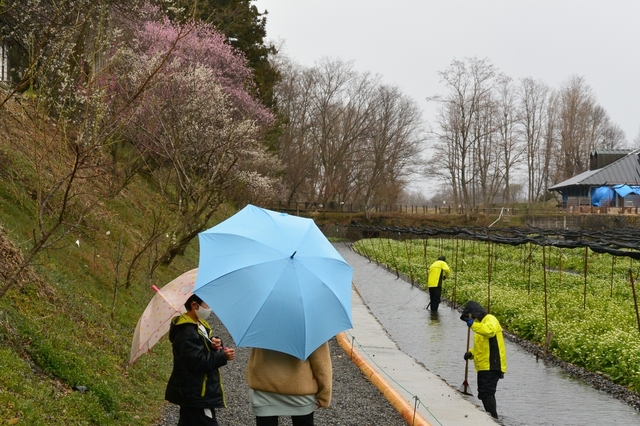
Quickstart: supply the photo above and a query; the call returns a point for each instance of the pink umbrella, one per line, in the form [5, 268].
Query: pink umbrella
[155, 320]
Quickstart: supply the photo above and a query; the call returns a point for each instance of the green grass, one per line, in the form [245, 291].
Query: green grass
[64, 330]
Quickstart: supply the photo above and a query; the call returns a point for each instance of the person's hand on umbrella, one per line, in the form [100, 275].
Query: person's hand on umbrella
[230, 353]
[260, 264]
[468, 356]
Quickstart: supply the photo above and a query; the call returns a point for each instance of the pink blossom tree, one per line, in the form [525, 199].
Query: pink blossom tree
[195, 125]
[199, 43]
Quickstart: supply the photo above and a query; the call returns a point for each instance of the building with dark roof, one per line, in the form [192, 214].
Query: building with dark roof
[612, 181]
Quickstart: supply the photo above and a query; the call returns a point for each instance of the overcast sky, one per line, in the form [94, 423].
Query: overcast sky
[407, 42]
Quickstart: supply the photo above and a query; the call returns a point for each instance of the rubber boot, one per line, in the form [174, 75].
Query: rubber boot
[489, 403]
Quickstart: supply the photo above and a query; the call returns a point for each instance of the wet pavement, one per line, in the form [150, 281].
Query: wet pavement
[419, 395]
[532, 393]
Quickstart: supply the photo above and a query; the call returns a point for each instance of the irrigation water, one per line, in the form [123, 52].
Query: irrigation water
[532, 392]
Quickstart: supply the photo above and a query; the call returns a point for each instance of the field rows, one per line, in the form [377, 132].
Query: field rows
[582, 299]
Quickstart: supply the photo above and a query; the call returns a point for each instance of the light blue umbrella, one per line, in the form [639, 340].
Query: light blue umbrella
[275, 281]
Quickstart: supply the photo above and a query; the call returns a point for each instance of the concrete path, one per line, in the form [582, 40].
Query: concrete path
[406, 383]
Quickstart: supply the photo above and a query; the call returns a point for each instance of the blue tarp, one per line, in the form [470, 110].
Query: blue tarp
[607, 193]
[624, 190]
[598, 195]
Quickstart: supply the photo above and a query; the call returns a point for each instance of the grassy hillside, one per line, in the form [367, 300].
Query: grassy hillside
[70, 321]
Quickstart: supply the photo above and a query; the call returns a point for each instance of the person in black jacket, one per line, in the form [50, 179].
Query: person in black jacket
[195, 383]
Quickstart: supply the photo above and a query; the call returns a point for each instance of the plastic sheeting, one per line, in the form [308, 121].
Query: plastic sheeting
[624, 190]
[604, 194]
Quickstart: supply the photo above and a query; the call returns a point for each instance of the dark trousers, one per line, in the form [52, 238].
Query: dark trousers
[487, 385]
[296, 420]
[194, 416]
[434, 295]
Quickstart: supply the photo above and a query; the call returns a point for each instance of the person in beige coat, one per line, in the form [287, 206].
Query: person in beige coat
[283, 385]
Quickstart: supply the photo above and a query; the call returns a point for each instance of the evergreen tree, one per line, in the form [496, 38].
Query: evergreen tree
[244, 27]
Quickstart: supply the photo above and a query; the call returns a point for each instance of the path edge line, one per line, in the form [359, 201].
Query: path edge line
[393, 396]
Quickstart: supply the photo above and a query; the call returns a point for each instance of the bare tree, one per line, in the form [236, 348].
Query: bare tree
[348, 139]
[532, 99]
[463, 129]
[636, 140]
[584, 127]
[577, 104]
[342, 116]
[442, 164]
[486, 129]
[487, 176]
[510, 145]
[612, 136]
[294, 91]
[605, 134]
[552, 147]
[391, 151]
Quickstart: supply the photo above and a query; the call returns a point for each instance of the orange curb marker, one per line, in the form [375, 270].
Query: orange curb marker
[396, 400]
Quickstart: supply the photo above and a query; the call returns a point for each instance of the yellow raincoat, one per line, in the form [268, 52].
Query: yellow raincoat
[438, 271]
[488, 345]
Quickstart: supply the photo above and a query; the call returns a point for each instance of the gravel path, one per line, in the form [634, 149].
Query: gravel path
[355, 400]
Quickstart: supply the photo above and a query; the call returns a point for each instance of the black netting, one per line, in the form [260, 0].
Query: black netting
[617, 242]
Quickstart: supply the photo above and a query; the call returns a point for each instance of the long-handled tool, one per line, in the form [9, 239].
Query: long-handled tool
[465, 389]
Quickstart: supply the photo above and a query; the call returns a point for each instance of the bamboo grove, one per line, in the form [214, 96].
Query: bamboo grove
[572, 293]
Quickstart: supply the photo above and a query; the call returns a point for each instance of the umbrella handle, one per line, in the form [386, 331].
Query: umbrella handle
[156, 289]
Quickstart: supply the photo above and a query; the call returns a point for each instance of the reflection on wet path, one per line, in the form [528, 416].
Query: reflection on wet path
[531, 393]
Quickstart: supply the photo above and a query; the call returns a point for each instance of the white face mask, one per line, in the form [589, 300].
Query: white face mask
[203, 313]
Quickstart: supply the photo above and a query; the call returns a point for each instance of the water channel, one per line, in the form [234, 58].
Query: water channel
[532, 393]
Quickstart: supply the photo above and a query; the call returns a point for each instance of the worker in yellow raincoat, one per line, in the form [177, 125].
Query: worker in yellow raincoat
[438, 272]
[488, 353]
